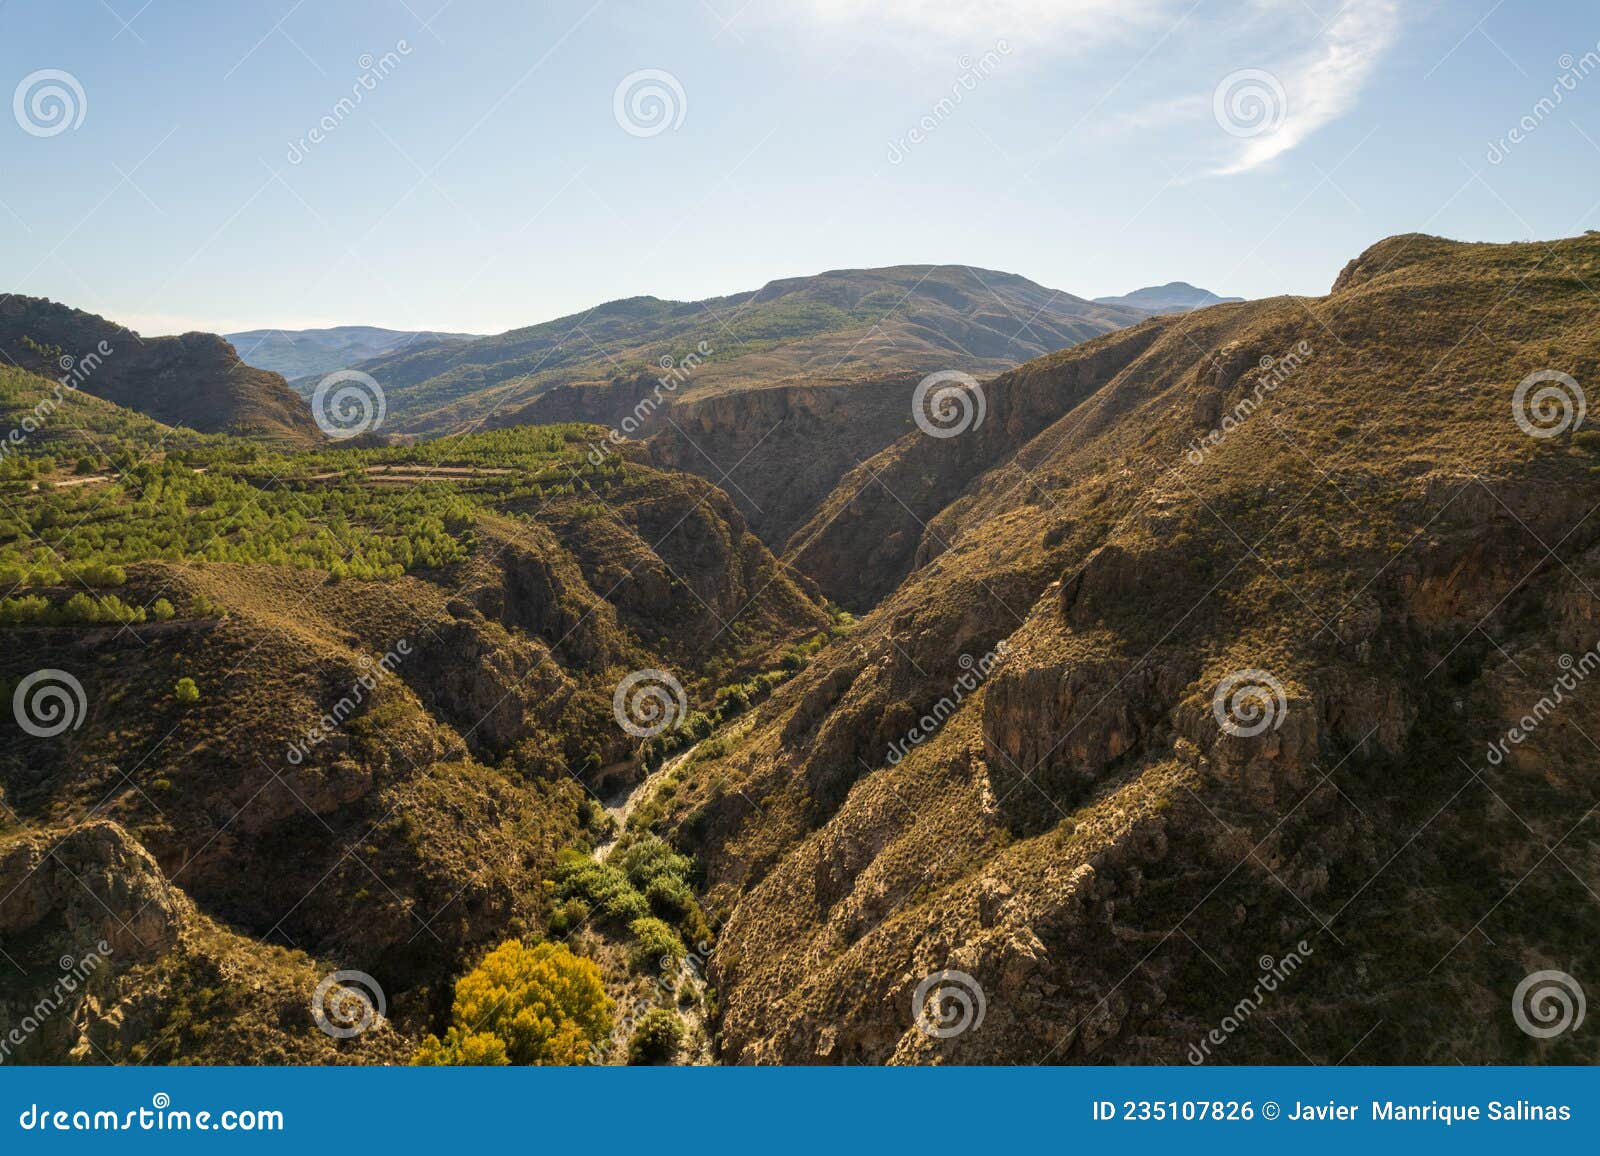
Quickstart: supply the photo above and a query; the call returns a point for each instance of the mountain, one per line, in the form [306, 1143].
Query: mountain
[844, 325]
[307, 352]
[1173, 297]
[195, 380]
[1198, 656]
[1213, 690]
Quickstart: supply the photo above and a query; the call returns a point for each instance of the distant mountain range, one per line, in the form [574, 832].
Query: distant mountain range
[842, 325]
[194, 380]
[1173, 297]
[301, 352]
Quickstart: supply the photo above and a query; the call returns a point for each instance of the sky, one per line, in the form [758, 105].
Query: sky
[477, 165]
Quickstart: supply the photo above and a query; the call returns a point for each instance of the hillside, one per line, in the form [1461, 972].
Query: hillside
[402, 665]
[1173, 297]
[1246, 641]
[847, 324]
[195, 380]
[1033, 763]
[305, 352]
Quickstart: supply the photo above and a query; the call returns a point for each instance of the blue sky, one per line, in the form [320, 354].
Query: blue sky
[492, 176]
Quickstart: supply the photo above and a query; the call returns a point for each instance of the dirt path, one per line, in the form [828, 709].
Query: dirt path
[625, 799]
[391, 473]
[70, 483]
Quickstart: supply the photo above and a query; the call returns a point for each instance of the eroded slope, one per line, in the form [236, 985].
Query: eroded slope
[1111, 855]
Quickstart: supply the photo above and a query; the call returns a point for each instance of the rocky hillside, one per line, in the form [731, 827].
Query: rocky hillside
[195, 380]
[376, 760]
[1222, 693]
[779, 452]
[1247, 644]
[854, 323]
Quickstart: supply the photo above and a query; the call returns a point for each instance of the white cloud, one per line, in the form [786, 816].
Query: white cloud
[1324, 83]
[1321, 67]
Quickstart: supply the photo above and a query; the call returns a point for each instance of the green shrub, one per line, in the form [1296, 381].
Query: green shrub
[602, 886]
[669, 897]
[568, 916]
[653, 943]
[649, 858]
[656, 1037]
[186, 692]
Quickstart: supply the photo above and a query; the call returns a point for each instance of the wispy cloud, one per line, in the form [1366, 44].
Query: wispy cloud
[1316, 68]
[1321, 85]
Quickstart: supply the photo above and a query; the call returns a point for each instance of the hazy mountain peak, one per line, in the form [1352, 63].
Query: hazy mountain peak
[1173, 297]
[299, 352]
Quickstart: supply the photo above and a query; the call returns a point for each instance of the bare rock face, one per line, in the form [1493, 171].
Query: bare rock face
[874, 528]
[779, 451]
[1051, 732]
[487, 683]
[534, 585]
[111, 963]
[89, 885]
[82, 906]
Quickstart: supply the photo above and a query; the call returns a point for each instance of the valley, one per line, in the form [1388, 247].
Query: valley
[1089, 659]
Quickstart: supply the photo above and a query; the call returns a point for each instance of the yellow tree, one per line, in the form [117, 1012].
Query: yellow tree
[524, 1005]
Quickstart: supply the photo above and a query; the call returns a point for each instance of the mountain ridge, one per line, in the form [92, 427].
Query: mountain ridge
[193, 379]
[844, 324]
[299, 353]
